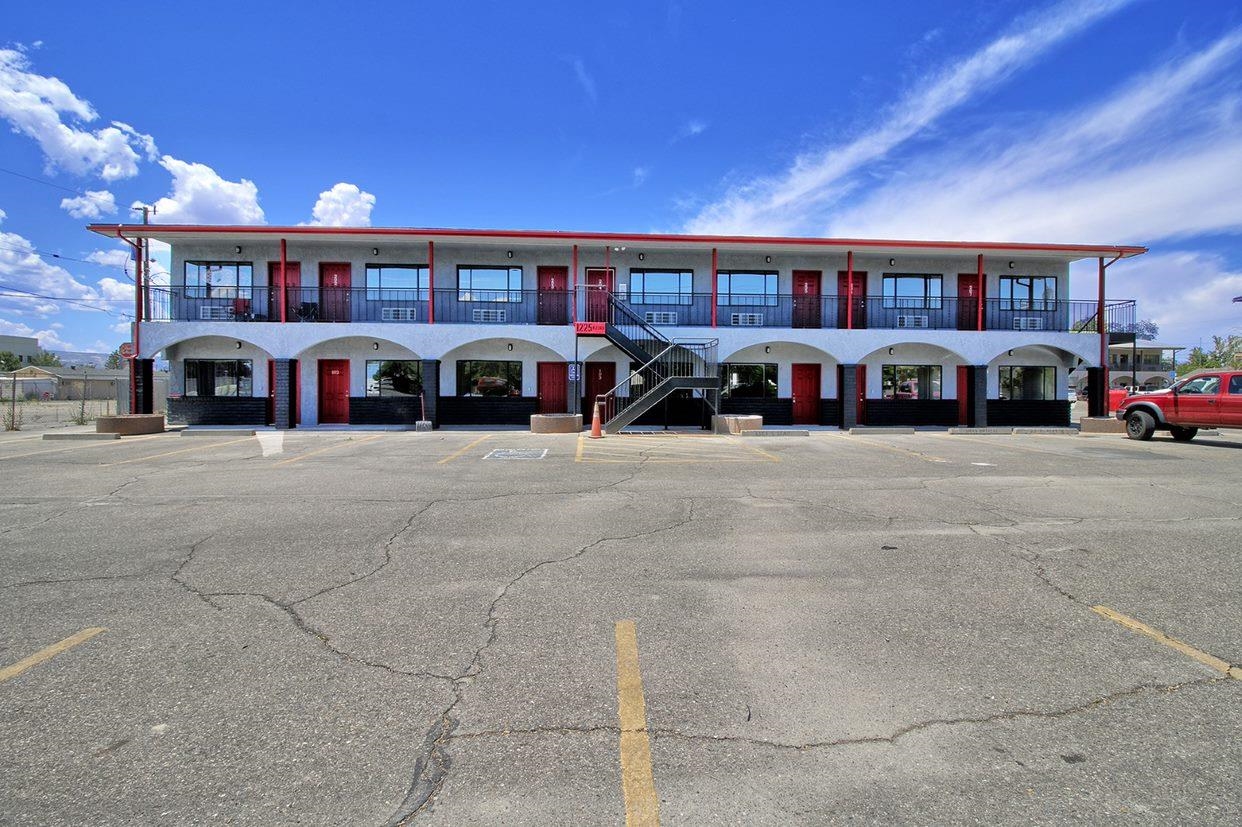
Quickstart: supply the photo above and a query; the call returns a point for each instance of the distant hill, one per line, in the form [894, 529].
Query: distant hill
[69, 358]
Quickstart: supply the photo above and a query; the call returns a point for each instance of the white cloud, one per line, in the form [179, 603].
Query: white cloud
[640, 176]
[111, 258]
[115, 290]
[24, 271]
[48, 339]
[791, 201]
[91, 204]
[200, 196]
[345, 205]
[584, 79]
[1187, 293]
[38, 106]
[689, 129]
[1157, 159]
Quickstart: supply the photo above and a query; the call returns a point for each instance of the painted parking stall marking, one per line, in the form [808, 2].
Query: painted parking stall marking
[1210, 661]
[642, 806]
[46, 654]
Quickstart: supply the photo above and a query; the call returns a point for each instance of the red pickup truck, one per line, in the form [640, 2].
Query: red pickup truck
[1212, 399]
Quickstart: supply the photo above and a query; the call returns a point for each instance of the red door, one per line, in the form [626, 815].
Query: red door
[553, 387]
[806, 394]
[601, 377]
[293, 290]
[598, 286]
[806, 302]
[969, 301]
[553, 295]
[333, 391]
[963, 395]
[855, 318]
[334, 286]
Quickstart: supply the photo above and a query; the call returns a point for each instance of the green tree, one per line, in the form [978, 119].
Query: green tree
[1226, 352]
[114, 360]
[45, 359]
[9, 361]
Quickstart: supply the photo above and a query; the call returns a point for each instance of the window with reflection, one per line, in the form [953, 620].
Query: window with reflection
[661, 286]
[1028, 292]
[745, 288]
[747, 381]
[218, 279]
[912, 291]
[489, 284]
[910, 381]
[477, 377]
[1025, 382]
[1206, 385]
[394, 377]
[397, 282]
[218, 377]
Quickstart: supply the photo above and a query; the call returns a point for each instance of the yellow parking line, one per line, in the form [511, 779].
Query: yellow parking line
[179, 451]
[1186, 649]
[759, 451]
[110, 443]
[456, 454]
[13, 670]
[896, 450]
[578, 453]
[642, 807]
[331, 447]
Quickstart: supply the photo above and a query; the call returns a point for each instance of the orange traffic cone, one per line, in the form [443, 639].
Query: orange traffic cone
[597, 430]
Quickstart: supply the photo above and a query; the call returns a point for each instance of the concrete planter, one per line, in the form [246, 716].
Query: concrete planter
[735, 424]
[556, 423]
[130, 424]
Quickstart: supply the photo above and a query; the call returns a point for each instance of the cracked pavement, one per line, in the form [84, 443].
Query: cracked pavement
[874, 630]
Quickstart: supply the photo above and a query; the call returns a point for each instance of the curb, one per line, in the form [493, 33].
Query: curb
[87, 437]
[773, 432]
[879, 429]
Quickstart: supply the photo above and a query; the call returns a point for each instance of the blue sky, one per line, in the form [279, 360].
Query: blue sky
[1101, 121]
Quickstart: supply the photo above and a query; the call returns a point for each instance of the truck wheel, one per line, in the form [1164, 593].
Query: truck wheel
[1183, 434]
[1140, 425]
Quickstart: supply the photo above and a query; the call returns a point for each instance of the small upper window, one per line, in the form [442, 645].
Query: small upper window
[744, 288]
[1028, 293]
[902, 290]
[661, 286]
[1235, 383]
[396, 282]
[489, 284]
[218, 279]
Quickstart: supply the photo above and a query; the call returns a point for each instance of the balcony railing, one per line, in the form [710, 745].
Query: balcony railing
[556, 307]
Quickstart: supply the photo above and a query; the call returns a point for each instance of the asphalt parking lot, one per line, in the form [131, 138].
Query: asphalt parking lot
[471, 627]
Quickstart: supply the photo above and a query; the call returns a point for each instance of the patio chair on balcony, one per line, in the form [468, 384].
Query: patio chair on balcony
[241, 310]
[308, 312]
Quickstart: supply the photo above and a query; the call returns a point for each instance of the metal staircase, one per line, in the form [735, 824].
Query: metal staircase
[665, 366]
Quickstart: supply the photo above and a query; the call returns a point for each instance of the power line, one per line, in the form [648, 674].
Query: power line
[41, 181]
[17, 291]
[123, 270]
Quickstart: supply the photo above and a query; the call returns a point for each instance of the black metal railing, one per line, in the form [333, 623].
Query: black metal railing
[677, 366]
[643, 319]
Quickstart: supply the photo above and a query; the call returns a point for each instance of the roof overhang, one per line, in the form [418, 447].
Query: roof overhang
[647, 241]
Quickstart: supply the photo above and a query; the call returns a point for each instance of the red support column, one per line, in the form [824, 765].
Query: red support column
[979, 296]
[849, 290]
[715, 262]
[284, 282]
[431, 282]
[574, 297]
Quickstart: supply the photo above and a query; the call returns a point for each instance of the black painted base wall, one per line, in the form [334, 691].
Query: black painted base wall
[387, 410]
[912, 412]
[829, 412]
[217, 410]
[677, 412]
[773, 411]
[1047, 412]
[485, 410]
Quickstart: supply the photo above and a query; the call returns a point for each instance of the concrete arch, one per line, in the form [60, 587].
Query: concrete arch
[789, 351]
[912, 350]
[209, 347]
[1060, 355]
[362, 347]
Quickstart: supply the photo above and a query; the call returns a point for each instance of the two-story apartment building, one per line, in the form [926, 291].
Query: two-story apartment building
[303, 326]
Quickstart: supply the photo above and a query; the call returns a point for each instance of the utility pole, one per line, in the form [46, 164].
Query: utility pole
[147, 212]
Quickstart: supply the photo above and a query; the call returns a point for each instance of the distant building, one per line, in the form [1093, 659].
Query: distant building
[24, 347]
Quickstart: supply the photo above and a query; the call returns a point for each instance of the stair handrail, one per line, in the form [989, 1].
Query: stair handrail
[673, 344]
